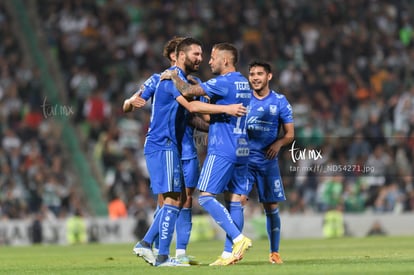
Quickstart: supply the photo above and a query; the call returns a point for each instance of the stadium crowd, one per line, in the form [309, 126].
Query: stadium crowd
[34, 178]
[344, 66]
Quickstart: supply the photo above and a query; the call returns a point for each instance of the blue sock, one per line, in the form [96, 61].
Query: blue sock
[183, 228]
[152, 233]
[157, 240]
[220, 214]
[273, 229]
[236, 212]
[168, 217]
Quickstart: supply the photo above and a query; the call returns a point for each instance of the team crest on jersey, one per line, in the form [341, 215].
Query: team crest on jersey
[273, 109]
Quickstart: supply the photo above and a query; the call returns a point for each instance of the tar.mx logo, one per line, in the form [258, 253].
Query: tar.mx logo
[303, 154]
[50, 110]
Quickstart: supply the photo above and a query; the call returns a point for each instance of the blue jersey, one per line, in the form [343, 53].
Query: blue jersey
[147, 90]
[227, 134]
[149, 86]
[263, 122]
[189, 150]
[168, 121]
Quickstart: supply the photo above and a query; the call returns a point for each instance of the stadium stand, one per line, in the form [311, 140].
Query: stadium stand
[36, 177]
[344, 65]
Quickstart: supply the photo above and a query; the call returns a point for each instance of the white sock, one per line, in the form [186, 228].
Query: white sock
[179, 252]
[226, 255]
[238, 238]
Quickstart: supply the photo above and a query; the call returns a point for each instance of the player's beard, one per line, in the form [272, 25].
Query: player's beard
[258, 87]
[215, 70]
[190, 66]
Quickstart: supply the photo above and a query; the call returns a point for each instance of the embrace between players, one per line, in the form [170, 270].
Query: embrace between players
[243, 118]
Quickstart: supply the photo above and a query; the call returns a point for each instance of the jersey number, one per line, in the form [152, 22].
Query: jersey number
[238, 129]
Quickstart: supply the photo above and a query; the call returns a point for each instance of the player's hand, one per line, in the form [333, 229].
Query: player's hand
[136, 101]
[272, 151]
[235, 109]
[168, 74]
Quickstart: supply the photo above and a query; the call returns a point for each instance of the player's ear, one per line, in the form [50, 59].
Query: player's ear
[269, 76]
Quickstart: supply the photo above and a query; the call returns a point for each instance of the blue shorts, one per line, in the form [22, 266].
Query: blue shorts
[219, 174]
[268, 183]
[191, 172]
[164, 168]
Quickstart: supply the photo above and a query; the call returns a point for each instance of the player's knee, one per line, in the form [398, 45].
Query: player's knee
[243, 200]
[205, 199]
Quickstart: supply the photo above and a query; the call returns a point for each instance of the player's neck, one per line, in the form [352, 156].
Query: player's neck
[261, 93]
[227, 70]
[182, 68]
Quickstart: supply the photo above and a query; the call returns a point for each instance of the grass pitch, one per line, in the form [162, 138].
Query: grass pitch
[374, 255]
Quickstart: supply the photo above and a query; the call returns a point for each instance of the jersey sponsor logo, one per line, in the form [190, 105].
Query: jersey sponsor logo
[243, 95]
[242, 85]
[242, 141]
[256, 120]
[164, 228]
[242, 152]
[260, 109]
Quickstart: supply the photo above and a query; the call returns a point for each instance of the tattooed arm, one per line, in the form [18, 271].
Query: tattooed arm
[186, 89]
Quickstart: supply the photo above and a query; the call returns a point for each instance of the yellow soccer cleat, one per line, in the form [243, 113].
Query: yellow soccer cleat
[240, 247]
[224, 261]
[219, 261]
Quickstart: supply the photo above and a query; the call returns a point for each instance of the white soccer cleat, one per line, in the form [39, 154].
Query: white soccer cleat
[171, 262]
[144, 252]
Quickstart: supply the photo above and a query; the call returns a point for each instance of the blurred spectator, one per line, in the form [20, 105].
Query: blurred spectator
[141, 215]
[330, 193]
[117, 208]
[404, 112]
[354, 197]
[76, 231]
[333, 223]
[36, 229]
[376, 230]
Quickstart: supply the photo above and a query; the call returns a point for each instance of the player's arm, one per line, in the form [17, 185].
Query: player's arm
[286, 139]
[145, 92]
[186, 89]
[198, 122]
[135, 101]
[206, 108]
[206, 117]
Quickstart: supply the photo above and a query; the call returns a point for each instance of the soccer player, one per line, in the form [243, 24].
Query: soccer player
[138, 100]
[163, 145]
[225, 166]
[190, 165]
[269, 111]
[147, 90]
